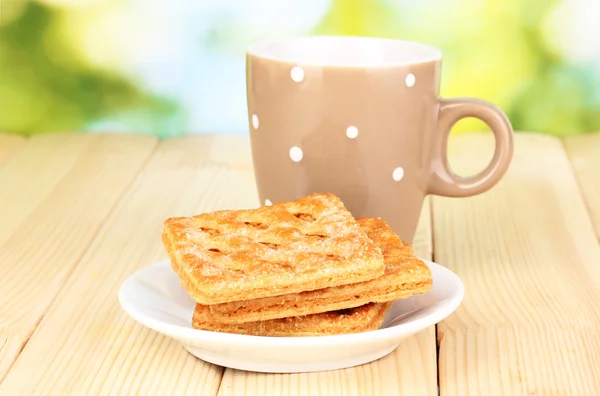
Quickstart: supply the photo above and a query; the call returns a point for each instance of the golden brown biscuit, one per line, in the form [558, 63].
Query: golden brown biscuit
[306, 244]
[405, 275]
[365, 318]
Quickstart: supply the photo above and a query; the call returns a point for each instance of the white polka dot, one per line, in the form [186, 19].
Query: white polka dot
[410, 80]
[255, 121]
[268, 202]
[296, 154]
[297, 74]
[398, 174]
[352, 132]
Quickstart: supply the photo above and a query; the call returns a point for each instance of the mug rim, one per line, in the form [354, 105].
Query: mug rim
[351, 51]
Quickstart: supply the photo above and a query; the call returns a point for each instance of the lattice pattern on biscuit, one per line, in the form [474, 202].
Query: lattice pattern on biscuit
[405, 275]
[313, 239]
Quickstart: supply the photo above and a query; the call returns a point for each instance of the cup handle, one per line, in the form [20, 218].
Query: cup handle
[443, 181]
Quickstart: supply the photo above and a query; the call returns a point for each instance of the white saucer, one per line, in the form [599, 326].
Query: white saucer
[154, 297]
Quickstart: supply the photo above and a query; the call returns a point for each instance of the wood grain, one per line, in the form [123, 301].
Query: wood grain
[57, 191]
[410, 370]
[8, 145]
[527, 253]
[33, 173]
[86, 345]
[584, 152]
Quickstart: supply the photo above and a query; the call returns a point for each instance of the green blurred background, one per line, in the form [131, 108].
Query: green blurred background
[171, 68]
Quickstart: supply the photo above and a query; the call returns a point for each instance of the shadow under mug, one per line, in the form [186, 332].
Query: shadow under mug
[361, 118]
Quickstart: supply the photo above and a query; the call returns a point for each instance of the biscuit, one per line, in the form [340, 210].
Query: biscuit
[365, 318]
[405, 275]
[233, 255]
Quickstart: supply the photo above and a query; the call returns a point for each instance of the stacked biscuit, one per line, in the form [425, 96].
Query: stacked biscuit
[297, 268]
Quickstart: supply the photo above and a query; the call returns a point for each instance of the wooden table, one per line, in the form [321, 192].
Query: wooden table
[81, 212]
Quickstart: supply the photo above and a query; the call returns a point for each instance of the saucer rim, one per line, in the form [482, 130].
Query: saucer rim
[185, 334]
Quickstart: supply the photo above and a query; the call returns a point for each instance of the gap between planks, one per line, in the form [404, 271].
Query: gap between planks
[584, 152]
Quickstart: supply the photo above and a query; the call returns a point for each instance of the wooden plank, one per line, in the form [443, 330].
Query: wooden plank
[527, 253]
[584, 152]
[86, 344]
[60, 190]
[410, 370]
[34, 171]
[8, 145]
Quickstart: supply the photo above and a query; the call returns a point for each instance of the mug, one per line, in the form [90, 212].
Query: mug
[361, 118]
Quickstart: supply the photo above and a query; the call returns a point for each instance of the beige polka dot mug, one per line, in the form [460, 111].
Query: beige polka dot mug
[361, 118]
